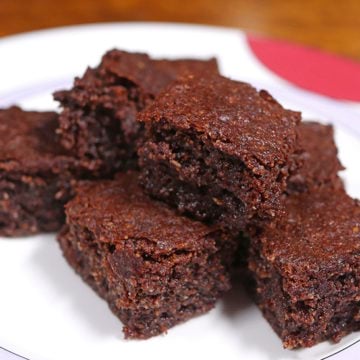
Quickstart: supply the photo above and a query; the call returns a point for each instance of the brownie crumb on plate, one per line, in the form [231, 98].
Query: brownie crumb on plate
[155, 268]
[35, 173]
[217, 149]
[97, 122]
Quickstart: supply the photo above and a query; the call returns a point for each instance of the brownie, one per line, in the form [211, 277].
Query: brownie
[35, 173]
[306, 268]
[217, 149]
[320, 164]
[97, 123]
[154, 267]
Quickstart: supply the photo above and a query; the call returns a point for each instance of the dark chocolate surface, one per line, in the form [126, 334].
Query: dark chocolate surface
[36, 174]
[111, 209]
[319, 228]
[152, 75]
[98, 124]
[233, 116]
[153, 267]
[218, 150]
[28, 142]
[320, 164]
[305, 268]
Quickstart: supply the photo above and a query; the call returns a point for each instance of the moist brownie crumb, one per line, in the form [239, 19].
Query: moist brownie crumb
[217, 149]
[154, 267]
[35, 173]
[320, 164]
[306, 268]
[97, 123]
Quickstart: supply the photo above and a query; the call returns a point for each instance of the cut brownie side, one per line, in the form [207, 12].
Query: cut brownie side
[154, 267]
[35, 176]
[217, 149]
[320, 164]
[97, 123]
[306, 268]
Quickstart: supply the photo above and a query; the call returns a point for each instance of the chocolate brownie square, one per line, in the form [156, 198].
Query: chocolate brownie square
[306, 268]
[320, 164]
[217, 149]
[35, 173]
[154, 267]
[97, 123]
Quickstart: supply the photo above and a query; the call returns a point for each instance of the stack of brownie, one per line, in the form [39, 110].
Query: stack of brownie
[222, 152]
[43, 154]
[170, 174]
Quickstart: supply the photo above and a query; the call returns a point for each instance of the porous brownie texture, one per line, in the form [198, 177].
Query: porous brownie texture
[319, 162]
[97, 122]
[154, 267]
[218, 150]
[306, 268]
[35, 173]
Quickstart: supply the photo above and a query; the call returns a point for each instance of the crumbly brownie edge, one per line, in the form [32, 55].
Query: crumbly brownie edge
[101, 135]
[31, 204]
[320, 165]
[98, 119]
[185, 159]
[145, 293]
[320, 309]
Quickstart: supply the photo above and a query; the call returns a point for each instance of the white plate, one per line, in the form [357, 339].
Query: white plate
[46, 312]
